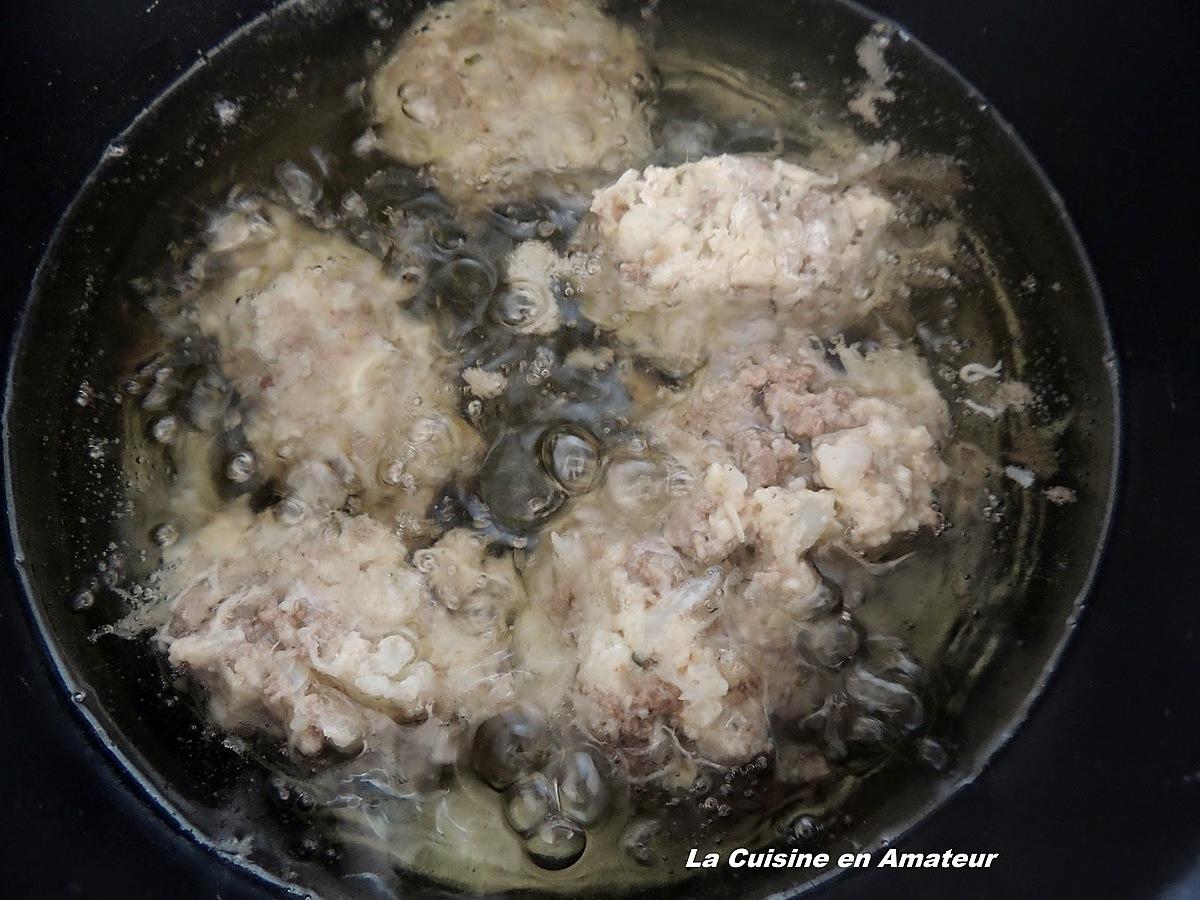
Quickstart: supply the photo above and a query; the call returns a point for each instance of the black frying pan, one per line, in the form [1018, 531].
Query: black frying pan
[125, 693]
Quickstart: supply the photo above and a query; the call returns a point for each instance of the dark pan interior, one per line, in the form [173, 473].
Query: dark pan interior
[81, 316]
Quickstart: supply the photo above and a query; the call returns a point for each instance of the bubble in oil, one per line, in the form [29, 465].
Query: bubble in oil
[541, 366]
[804, 829]
[637, 841]
[301, 188]
[508, 745]
[290, 511]
[241, 467]
[392, 472]
[556, 844]
[83, 601]
[637, 486]
[585, 786]
[515, 308]
[165, 535]
[932, 754]
[830, 641]
[572, 458]
[528, 803]
[208, 401]
[429, 429]
[514, 484]
[463, 284]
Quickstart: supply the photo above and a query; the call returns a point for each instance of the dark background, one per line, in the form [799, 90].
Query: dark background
[1100, 795]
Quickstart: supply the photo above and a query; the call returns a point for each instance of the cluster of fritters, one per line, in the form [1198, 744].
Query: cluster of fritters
[675, 598]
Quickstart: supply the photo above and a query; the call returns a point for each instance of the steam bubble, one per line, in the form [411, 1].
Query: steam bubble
[572, 457]
[165, 534]
[636, 840]
[508, 745]
[637, 485]
[528, 803]
[209, 400]
[556, 844]
[241, 467]
[515, 308]
[830, 641]
[300, 187]
[463, 284]
[585, 790]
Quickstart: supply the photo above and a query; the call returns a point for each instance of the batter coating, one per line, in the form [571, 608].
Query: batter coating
[501, 99]
[345, 393]
[323, 631]
[729, 248]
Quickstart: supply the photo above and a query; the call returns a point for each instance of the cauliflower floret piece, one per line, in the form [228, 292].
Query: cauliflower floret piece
[882, 475]
[503, 98]
[323, 632]
[723, 249]
[788, 521]
[345, 391]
